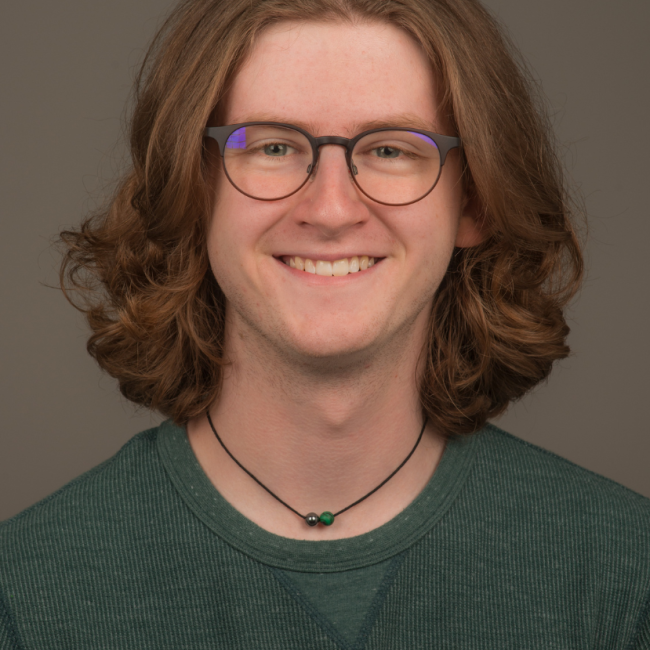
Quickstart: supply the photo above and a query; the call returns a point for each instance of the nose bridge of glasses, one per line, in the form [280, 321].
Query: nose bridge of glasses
[331, 139]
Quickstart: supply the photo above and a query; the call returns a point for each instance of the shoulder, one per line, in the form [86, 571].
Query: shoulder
[560, 498]
[85, 546]
[532, 466]
[566, 528]
[110, 492]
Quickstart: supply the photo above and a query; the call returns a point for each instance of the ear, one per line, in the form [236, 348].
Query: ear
[472, 228]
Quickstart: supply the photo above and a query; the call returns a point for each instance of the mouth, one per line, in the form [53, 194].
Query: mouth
[338, 268]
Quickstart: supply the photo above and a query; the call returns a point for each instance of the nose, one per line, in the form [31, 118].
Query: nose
[331, 201]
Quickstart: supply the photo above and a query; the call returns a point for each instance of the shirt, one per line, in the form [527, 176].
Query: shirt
[507, 546]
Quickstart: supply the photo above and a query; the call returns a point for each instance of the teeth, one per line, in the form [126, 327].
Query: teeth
[338, 268]
[323, 268]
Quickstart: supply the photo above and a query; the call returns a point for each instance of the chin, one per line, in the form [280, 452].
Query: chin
[325, 347]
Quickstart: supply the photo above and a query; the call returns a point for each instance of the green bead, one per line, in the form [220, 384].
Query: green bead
[327, 518]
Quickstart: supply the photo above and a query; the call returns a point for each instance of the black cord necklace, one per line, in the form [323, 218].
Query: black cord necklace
[326, 518]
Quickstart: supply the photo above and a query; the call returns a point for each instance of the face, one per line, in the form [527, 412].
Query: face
[335, 79]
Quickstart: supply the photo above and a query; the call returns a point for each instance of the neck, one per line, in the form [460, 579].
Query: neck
[320, 434]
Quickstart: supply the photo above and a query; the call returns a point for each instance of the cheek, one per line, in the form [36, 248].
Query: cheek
[228, 229]
[224, 240]
[236, 235]
[430, 227]
[444, 216]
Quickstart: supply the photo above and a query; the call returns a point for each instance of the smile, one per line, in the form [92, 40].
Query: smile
[337, 268]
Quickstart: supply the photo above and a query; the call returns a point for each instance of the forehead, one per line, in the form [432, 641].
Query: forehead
[333, 78]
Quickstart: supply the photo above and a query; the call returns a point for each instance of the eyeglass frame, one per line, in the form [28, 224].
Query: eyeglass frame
[220, 134]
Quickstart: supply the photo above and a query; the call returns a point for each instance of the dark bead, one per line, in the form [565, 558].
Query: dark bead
[327, 518]
[312, 519]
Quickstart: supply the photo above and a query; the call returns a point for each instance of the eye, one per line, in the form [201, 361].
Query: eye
[387, 152]
[276, 149]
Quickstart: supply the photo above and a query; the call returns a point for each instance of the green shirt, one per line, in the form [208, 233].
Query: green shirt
[508, 546]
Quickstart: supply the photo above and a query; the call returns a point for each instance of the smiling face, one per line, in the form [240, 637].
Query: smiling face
[335, 79]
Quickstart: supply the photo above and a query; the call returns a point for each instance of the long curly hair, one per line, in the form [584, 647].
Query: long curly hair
[139, 268]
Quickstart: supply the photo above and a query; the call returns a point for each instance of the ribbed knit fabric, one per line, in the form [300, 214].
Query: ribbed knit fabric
[342, 600]
[508, 546]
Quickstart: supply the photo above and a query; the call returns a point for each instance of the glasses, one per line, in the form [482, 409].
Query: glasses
[269, 161]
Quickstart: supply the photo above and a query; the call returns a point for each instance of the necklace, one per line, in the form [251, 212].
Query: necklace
[326, 518]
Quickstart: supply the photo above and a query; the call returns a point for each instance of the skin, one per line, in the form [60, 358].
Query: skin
[320, 400]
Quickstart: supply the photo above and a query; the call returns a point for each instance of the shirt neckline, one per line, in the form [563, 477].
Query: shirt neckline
[322, 556]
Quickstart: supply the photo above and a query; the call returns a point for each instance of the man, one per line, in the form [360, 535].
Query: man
[314, 271]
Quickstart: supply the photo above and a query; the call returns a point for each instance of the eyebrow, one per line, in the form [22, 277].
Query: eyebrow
[405, 120]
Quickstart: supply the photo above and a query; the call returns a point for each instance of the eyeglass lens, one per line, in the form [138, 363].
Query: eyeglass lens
[271, 162]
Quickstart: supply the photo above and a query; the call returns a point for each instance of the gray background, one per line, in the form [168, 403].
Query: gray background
[66, 71]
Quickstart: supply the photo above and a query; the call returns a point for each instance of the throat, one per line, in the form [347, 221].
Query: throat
[317, 475]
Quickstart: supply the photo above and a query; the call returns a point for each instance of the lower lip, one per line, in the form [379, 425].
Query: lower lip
[329, 280]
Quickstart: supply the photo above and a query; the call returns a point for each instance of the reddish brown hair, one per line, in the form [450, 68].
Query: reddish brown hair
[141, 266]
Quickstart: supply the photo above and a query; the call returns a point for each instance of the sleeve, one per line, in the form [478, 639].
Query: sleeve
[9, 637]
